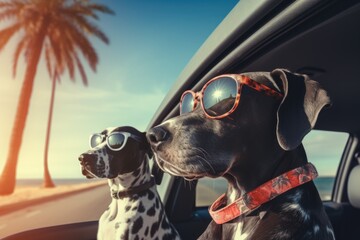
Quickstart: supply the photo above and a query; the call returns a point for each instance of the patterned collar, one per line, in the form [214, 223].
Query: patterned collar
[134, 190]
[262, 194]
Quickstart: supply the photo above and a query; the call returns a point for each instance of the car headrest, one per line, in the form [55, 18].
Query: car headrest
[353, 187]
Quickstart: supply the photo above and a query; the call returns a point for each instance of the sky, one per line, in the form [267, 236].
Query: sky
[150, 43]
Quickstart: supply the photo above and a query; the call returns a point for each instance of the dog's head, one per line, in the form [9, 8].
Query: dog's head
[104, 162]
[261, 127]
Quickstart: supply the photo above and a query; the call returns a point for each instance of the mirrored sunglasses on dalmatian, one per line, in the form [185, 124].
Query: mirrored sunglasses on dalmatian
[115, 140]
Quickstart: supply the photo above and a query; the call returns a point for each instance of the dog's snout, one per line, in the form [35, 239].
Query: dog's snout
[86, 158]
[157, 135]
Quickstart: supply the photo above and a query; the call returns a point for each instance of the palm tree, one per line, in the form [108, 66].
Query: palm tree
[48, 182]
[60, 28]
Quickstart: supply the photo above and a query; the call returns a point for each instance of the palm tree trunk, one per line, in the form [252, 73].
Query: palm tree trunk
[8, 176]
[48, 183]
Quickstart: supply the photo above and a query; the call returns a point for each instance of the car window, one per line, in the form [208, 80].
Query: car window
[323, 148]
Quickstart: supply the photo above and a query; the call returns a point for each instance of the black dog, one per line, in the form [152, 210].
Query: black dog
[254, 141]
[136, 212]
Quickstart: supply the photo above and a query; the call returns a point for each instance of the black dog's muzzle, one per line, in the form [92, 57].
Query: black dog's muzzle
[157, 135]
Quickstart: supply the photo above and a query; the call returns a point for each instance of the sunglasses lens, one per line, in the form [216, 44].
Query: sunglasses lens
[95, 140]
[187, 103]
[116, 141]
[219, 96]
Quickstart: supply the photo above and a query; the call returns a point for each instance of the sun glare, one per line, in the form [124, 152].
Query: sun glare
[217, 94]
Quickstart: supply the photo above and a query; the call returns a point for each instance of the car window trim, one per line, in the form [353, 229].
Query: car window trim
[344, 168]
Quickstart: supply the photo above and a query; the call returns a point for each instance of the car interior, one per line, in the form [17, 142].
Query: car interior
[318, 38]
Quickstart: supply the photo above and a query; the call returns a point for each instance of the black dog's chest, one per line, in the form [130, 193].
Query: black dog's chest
[240, 230]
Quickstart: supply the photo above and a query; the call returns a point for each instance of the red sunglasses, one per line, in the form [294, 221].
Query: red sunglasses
[220, 96]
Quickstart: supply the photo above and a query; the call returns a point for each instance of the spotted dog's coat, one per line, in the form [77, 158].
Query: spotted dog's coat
[136, 216]
[140, 216]
[258, 142]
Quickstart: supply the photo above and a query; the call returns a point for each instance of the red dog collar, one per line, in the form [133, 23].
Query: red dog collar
[261, 194]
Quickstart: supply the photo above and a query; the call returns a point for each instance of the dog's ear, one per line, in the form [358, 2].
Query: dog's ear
[300, 107]
[149, 152]
[146, 145]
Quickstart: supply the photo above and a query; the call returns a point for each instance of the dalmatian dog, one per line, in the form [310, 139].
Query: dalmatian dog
[136, 212]
[248, 129]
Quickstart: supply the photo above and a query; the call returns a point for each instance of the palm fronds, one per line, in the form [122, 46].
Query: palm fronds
[67, 35]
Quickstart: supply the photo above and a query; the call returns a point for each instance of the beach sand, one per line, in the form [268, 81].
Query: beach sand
[28, 193]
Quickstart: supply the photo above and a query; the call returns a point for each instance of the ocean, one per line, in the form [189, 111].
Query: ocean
[58, 181]
[325, 186]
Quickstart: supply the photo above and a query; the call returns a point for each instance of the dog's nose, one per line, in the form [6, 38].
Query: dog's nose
[85, 158]
[157, 135]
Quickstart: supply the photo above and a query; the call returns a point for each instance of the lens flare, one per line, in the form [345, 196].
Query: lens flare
[217, 94]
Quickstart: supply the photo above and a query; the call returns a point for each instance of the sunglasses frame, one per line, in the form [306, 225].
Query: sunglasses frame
[125, 134]
[240, 80]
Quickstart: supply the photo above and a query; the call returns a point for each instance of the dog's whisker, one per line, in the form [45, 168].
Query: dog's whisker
[211, 167]
[176, 171]
[207, 163]
[166, 170]
[205, 156]
[92, 174]
[172, 165]
[202, 164]
[202, 151]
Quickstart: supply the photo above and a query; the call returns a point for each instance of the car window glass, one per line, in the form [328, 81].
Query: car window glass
[323, 148]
